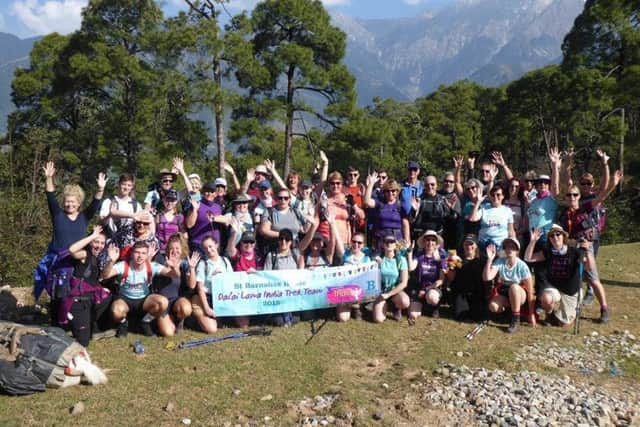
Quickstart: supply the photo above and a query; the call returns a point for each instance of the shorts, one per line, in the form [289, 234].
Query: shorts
[134, 304]
[565, 310]
[413, 294]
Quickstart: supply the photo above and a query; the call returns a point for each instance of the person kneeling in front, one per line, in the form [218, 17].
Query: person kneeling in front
[134, 293]
[515, 285]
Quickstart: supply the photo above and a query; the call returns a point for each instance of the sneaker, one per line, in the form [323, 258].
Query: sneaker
[604, 316]
[146, 329]
[513, 327]
[397, 315]
[109, 333]
[123, 329]
[589, 297]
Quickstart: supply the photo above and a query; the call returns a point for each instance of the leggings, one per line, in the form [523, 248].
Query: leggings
[86, 316]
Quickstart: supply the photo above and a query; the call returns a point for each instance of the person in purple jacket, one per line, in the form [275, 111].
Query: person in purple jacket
[203, 219]
[69, 221]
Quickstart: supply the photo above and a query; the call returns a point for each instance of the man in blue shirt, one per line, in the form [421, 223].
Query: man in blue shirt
[412, 187]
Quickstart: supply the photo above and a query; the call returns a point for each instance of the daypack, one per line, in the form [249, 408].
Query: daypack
[113, 227]
[125, 273]
[293, 253]
[33, 358]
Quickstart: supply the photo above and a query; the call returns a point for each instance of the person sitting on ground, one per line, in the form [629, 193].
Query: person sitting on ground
[210, 265]
[244, 257]
[514, 287]
[559, 276]
[394, 277]
[468, 292]
[176, 288]
[134, 295]
[431, 269]
[356, 253]
[86, 313]
[284, 257]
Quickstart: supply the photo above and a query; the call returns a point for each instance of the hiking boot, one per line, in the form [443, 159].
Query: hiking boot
[513, 327]
[109, 333]
[356, 313]
[146, 329]
[397, 315]
[589, 297]
[604, 315]
[123, 329]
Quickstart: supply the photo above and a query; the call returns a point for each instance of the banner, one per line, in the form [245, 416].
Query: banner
[279, 291]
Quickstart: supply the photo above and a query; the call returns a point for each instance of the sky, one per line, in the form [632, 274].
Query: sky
[27, 18]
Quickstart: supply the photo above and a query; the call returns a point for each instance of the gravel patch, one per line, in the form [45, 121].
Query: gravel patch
[499, 398]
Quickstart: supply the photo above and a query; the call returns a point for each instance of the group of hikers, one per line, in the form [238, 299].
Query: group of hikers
[482, 241]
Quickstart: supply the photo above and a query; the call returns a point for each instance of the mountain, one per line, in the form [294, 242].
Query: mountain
[488, 41]
[491, 42]
[14, 53]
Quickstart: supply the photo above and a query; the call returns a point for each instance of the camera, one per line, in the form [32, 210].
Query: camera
[350, 200]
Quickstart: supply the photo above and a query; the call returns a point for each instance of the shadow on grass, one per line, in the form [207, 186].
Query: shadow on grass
[620, 284]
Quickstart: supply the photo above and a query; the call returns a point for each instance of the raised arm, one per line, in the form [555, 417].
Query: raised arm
[371, 180]
[271, 167]
[601, 197]
[108, 271]
[306, 240]
[77, 249]
[250, 176]
[194, 259]
[529, 255]
[192, 216]
[49, 170]
[475, 214]
[606, 173]
[498, 160]
[556, 163]
[178, 166]
[489, 272]
[323, 174]
[236, 182]
[565, 171]
[458, 162]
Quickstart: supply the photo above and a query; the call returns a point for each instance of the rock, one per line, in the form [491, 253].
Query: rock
[266, 397]
[77, 409]
[169, 407]
[460, 354]
[236, 392]
[267, 419]
[186, 421]
[373, 363]
[378, 415]
[385, 386]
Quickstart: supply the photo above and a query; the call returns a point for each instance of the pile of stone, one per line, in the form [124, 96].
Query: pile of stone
[313, 412]
[496, 397]
[595, 356]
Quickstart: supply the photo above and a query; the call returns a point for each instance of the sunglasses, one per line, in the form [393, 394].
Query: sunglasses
[573, 194]
[283, 197]
[555, 234]
[284, 238]
[382, 176]
[354, 174]
[449, 181]
[486, 171]
[220, 185]
[167, 180]
[497, 195]
[335, 183]
[388, 242]
[357, 242]
[586, 183]
[141, 224]
[430, 239]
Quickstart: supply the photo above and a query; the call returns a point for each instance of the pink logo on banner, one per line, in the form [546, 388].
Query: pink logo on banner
[344, 294]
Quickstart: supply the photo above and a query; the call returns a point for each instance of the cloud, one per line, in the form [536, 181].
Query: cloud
[62, 16]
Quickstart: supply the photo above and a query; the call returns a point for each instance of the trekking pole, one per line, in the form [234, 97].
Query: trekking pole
[315, 331]
[576, 322]
[476, 330]
[209, 340]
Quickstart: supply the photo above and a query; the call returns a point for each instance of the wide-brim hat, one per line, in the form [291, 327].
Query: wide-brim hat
[166, 171]
[262, 169]
[542, 178]
[242, 198]
[429, 233]
[555, 228]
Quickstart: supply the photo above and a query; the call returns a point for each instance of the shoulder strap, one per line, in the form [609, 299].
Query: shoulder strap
[149, 272]
[125, 273]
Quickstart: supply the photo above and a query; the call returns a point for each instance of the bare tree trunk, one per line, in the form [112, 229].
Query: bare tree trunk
[288, 130]
[218, 112]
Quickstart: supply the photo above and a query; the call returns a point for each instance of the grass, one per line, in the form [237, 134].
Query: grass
[353, 360]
